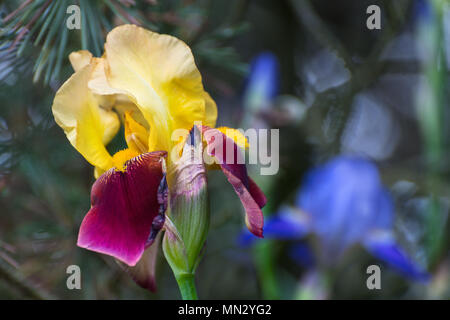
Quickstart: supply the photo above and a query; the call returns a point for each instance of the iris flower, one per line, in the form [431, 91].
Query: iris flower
[344, 203]
[262, 83]
[148, 83]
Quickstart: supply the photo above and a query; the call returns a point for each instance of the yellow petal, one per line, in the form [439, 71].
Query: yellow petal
[87, 126]
[159, 74]
[110, 124]
[80, 59]
[103, 92]
[98, 82]
[98, 172]
[107, 102]
[236, 136]
[135, 134]
[123, 104]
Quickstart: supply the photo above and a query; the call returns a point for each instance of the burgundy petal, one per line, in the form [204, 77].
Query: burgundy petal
[143, 273]
[257, 193]
[233, 166]
[123, 206]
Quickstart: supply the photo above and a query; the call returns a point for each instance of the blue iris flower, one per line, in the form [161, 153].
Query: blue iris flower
[344, 203]
[262, 83]
[422, 11]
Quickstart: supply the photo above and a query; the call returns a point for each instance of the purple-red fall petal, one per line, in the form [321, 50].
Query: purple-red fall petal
[229, 157]
[123, 206]
[143, 273]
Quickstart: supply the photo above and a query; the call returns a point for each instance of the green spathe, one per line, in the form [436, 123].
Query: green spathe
[187, 221]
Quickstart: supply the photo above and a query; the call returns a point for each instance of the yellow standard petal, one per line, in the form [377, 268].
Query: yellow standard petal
[87, 126]
[159, 75]
[98, 82]
[135, 134]
[80, 59]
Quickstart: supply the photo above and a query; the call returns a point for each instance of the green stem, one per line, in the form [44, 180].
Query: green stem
[263, 254]
[186, 283]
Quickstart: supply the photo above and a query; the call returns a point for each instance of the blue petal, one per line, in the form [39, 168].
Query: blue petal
[302, 254]
[345, 199]
[263, 81]
[246, 238]
[287, 224]
[422, 11]
[386, 249]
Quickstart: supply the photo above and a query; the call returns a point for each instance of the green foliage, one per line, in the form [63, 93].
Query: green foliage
[38, 29]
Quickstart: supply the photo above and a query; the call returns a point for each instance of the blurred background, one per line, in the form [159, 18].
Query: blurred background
[313, 69]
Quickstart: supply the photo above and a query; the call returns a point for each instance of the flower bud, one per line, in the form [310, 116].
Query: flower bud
[187, 220]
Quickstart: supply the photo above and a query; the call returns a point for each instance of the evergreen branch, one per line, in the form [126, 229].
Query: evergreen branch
[15, 12]
[18, 280]
[39, 21]
[314, 24]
